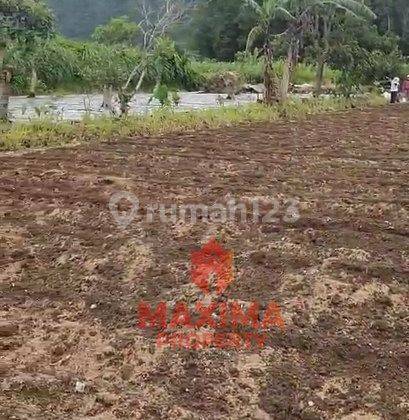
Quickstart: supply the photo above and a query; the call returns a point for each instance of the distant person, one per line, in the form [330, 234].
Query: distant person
[395, 84]
[405, 88]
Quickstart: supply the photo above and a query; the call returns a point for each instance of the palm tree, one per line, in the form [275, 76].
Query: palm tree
[266, 12]
[298, 15]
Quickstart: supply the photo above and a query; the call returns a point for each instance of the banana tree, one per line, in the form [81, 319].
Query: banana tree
[299, 17]
[266, 13]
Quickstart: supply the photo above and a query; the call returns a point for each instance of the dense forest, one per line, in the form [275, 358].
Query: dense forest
[219, 28]
[78, 18]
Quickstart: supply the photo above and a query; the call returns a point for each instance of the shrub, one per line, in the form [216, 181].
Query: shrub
[64, 64]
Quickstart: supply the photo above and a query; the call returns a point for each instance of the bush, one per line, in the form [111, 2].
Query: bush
[250, 70]
[118, 30]
[76, 66]
[361, 67]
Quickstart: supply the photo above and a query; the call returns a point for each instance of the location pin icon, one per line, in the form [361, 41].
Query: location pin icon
[123, 218]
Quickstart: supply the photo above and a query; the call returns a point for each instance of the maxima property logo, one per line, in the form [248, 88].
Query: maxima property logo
[215, 321]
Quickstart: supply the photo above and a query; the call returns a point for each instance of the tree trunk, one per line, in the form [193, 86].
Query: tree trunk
[270, 79]
[141, 79]
[125, 96]
[323, 50]
[108, 100]
[33, 82]
[319, 77]
[285, 82]
[4, 88]
[4, 99]
[124, 99]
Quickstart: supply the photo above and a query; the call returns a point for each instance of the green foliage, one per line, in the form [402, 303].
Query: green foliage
[70, 65]
[363, 56]
[165, 96]
[248, 67]
[171, 66]
[175, 97]
[117, 31]
[220, 28]
[161, 93]
[359, 54]
[28, 19]
[393, 17]
[250, 70]
[74, 66]
[26, 22]
[78, 18]
[367, 68]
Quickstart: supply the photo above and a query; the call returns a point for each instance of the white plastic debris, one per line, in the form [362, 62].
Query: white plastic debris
[80, 387]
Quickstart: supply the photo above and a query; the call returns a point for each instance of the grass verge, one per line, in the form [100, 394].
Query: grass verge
[46, 133]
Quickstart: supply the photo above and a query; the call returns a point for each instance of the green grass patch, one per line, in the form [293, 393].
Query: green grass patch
[46, 132]
[250, 70]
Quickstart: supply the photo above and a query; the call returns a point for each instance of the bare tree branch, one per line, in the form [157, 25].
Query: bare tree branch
[154, 23]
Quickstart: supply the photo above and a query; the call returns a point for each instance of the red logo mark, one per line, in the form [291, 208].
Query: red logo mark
[227, 324]
[212, 261]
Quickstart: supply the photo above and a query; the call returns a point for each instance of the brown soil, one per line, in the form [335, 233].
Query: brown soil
[70, 280]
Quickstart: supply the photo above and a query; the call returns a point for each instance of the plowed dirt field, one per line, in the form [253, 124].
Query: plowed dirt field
[71, 279]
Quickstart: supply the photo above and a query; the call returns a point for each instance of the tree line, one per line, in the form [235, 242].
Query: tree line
[219, 28]
[364, 41]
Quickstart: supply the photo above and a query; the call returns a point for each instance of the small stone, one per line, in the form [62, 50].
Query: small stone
[108, 351]
[311, 403]
[234, 372]
[259, 257]
[62, 259]
[310, 415]
[94, 306]
[336, 299]
[80, 387]
[109, 377]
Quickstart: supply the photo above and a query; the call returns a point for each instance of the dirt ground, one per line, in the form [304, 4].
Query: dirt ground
[71, 280]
